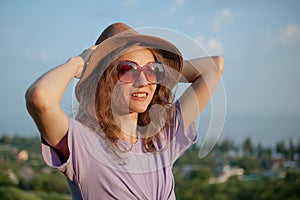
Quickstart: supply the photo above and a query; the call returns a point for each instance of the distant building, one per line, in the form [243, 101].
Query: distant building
[12, 176]
[227, 173]
[23, 155]
[277, 162]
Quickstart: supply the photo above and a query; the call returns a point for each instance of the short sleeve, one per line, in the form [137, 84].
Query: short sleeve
[181, 137]
[71, 168]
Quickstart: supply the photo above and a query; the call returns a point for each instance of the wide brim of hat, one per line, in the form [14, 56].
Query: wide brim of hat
[121, 40]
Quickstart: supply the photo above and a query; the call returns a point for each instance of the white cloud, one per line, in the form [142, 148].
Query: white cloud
[225, 16]
[173, 7]
[180, 2]
[212, 45]
[215, 45]
[228, 16]
[290, 34]
[216, 26]
[200, 39]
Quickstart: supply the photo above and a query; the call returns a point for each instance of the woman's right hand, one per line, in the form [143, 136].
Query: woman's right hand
[85, 55]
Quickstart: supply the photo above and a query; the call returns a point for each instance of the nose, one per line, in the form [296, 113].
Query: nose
[141, 80]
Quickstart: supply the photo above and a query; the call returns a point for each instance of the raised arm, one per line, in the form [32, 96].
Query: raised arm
[204, 74]
[43, 102]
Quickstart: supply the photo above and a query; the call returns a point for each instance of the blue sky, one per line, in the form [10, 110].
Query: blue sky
[260, 41]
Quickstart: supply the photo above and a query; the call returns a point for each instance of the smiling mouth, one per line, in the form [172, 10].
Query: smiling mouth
[140, 94]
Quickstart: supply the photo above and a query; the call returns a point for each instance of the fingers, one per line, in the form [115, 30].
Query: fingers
[85, 55]
[94, 47]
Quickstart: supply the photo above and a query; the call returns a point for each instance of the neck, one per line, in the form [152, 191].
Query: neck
[128, 124]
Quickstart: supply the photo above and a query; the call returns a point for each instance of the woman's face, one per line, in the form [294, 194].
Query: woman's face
[134, 97]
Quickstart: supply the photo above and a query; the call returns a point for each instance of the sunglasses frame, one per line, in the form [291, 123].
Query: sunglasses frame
[140, 69]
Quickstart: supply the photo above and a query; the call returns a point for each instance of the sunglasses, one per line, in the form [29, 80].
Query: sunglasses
[129, 71]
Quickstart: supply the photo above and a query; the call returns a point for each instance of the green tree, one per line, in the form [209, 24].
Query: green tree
[291, 150]
[249, 164]
[247, 147]
[264, 155]
[282, 149]
[5, 139]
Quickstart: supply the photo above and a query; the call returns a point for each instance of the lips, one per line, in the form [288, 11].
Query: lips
[139, 95]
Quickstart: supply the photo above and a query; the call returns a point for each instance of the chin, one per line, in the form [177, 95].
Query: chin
[139, 110]
[139, 107]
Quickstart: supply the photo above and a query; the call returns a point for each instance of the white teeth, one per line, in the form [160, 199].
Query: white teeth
[140, 95]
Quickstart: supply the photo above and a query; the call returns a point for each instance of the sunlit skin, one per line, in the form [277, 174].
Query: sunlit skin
[138, 94]
[135, 97]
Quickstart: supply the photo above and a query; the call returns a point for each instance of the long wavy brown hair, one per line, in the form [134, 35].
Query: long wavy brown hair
[96, 113]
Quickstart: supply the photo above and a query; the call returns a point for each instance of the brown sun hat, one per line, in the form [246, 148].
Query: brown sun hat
[119, 35]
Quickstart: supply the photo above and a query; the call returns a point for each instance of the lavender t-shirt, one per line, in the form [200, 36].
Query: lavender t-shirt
[95, 171]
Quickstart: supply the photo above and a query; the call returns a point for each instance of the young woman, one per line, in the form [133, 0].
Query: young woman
[128, 131]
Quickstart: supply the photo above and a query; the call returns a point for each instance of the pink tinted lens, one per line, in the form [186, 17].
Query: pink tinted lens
[126, 72]
[155, 72]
